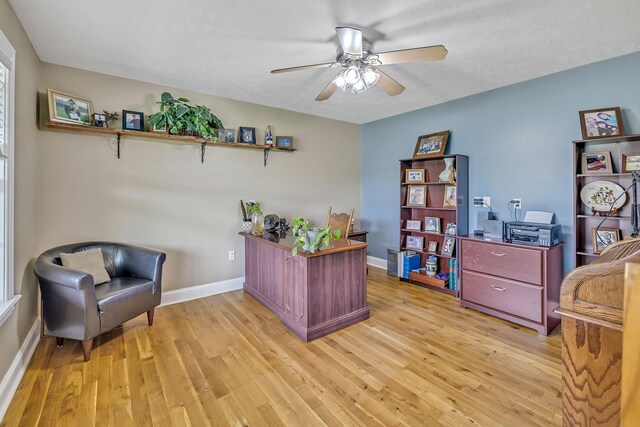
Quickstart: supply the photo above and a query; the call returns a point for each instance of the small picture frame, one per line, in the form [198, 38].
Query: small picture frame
[448, 246]
[99, 120]
[413, 225]
[247, 135]
[603, 237]
[284, 142]
[451, 229]
[414, 176]
[630, 162]
[450, 196]
[227, 135]
[596, 162]
[432, 224]
[66, 108]
[417, 195]
[133, 120]
[415, 242]
[155, 129]
[601, 123]
[431, 145]
[433, 247]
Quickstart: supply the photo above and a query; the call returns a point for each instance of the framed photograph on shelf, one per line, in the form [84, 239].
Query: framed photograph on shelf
[417, 195]
[227, 135]
[413, 225]
[630, 162]
[603, 237]
[601, 123]
[247, 135]
[433, 246]
[451, 229]
[431, 145]
[132, 120]
[65, 108]
[155, 129]
[450, 196]
[448, 246]
[284, 142]
[414, 176]
[415, 242]
[595, 163]
[432, 224]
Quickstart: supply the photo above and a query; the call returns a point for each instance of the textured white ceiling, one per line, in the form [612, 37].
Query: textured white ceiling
[227, 48]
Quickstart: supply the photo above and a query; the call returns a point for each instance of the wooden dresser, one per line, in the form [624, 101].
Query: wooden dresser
[517, 283]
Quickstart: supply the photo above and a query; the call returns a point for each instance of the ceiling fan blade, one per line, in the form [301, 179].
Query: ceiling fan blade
[351, 40]
[387, 84]
[327, 92]
[428, 53]
[305, 67]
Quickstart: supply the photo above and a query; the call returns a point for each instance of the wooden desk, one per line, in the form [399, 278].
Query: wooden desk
[312, 294]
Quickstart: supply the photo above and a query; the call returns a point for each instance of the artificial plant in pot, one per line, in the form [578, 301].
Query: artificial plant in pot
[257, 220]
[310, 238]
[182, 117]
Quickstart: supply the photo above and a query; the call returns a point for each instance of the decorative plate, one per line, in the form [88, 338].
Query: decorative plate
[601, 195]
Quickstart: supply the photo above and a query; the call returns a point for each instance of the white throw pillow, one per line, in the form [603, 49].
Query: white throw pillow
[89, 261]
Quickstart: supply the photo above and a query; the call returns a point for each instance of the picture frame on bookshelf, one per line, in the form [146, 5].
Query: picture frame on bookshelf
[415, 242]
[417, 196]
[451, 229]
[596, 163]
[433, 247]
[431, 145]
[601, 123]
[448, 246]
[414, 176]
[630, 162]
[413, 225]
[450, 196]
[432, 224]
[603, 237]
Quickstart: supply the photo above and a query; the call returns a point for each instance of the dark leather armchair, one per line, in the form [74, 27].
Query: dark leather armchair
[75, 308]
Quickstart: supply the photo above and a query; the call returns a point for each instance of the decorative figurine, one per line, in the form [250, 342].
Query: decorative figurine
[271, 222]
[268, 137]
[109, 117]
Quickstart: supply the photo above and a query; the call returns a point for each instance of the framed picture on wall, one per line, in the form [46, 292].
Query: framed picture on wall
[417, 195]
[247, 135]
[431, 145]
[601, 123]
[414, 225]
[450, 196]
[132, 120]
[432, 224]
[630, 162]
[227, 135]
[433, 246]
[284, 142]
[448, 246]
[603, 237]
[594, 163]
[415, 242]
[66, 108]
[414, 175]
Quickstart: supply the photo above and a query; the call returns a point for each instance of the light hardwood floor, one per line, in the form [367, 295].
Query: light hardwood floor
[226, 360]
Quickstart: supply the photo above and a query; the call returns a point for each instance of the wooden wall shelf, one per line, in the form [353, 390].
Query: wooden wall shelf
[119, 133]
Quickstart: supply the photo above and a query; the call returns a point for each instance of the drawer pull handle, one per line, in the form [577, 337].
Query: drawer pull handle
[498, 288]
[495, 254]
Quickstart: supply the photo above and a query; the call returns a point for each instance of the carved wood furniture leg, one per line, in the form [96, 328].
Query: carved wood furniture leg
[59, 341]
[150, 314]
[86, 349]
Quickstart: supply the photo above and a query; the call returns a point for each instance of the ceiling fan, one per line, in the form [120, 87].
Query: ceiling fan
[359, 62]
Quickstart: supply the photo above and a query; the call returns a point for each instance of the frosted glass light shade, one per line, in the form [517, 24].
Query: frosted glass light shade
[370, 77]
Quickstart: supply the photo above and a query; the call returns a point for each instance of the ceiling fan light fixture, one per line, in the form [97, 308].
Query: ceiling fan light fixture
[359, 87]
[352, 75]
[339, 81]
[370, 77]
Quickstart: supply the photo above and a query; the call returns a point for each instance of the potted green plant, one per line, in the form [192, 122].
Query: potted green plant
[310, 238]
[257, 220]
[181, 117]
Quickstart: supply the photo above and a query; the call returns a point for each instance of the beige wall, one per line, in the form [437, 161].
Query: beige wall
[160, 195]
[15, 329]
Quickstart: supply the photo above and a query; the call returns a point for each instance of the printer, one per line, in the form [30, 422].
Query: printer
[531, 233]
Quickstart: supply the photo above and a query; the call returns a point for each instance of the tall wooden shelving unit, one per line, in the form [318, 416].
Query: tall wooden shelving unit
[583, 219]
[435, 200]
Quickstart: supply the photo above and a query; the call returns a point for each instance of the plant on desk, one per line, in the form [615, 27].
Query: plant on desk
[310, 238]
[257, 220]
[182, 117]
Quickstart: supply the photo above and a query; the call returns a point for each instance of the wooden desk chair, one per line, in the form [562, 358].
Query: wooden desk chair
[340, 221]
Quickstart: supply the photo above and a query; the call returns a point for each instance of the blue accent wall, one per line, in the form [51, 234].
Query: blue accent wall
[518, 139]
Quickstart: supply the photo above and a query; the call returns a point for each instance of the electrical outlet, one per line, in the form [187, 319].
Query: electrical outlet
[477, 202]
[517, 203]
[232, 255]
[486, 201]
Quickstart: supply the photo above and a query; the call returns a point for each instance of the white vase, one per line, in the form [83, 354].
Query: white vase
[449, 172]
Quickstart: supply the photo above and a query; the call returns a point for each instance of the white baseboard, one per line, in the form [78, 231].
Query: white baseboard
[201, 291]
[12, 378]
[377, 262]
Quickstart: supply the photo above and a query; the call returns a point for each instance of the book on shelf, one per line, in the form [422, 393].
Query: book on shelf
[410, 262]
[401, 263]
[453, 279]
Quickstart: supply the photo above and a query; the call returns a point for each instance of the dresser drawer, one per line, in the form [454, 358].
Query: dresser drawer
[519, 299]
[510, 262]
